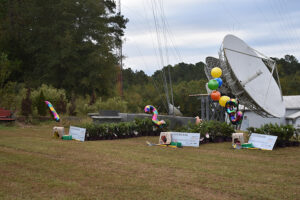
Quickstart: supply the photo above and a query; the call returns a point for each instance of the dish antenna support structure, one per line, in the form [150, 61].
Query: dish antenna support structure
[248, 75]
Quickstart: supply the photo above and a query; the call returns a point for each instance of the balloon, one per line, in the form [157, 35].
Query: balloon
[215, 95]
[53, 111]
[152, 109]
[232, 109]
[223, 100]
[231, 106]
[213, 84]
[219, 81]
[237, 118]
[216, 72]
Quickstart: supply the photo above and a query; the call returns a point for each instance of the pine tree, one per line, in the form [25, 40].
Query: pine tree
[66, 44]
[61, 106]
[41, 106]
[26, 104]
[72, 108]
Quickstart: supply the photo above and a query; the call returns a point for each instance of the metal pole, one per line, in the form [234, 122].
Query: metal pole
[121, 58]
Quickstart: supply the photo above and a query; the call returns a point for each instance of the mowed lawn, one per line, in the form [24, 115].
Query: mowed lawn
[34, 165]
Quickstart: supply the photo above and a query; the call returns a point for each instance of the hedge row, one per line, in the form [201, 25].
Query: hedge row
[109, 131]
[287, 135]
[217, 131]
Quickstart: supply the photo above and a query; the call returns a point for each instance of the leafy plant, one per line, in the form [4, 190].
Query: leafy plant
[213, 128]
[26, 104]
[139, 127]
[283, 132]
[40, 104]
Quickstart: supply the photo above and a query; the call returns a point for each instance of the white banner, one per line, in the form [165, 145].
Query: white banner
[77, 133]
[262, 141]
[186, 139]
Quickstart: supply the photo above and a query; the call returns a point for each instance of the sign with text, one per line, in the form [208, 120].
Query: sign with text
[77, 133]
[186, 139]
[262, 141]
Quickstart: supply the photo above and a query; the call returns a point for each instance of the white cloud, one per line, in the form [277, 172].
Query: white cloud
[198, 28]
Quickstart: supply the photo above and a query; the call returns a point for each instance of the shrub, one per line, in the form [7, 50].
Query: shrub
[283, 132]
[83, 105]
[61, 106]
[213, 128]
[8, 96]
[51, 94]
[115, 103]
[26, 104]
[72, 108]
[40, 104]
[139, 127]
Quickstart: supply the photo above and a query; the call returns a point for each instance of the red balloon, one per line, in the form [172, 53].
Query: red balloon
[215, 95]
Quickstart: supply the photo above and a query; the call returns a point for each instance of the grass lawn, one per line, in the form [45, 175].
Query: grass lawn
[33, 165]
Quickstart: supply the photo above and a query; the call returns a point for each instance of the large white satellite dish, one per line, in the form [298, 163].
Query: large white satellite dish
[249, 76]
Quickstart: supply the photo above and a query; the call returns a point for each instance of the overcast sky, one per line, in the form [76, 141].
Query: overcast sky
[191, 30]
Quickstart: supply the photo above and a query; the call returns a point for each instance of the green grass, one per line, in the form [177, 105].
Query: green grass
[33, 165]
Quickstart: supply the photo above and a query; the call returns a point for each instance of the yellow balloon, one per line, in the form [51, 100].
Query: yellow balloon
[216, 72]
[223, 100]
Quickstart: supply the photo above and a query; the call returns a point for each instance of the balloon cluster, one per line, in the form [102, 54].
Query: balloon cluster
[151, 109]
[231, 105]
[232, 109]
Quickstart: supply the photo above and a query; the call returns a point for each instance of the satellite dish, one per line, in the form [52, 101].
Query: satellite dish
[249, 76]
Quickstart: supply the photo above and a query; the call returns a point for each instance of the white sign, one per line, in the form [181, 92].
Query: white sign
[77, 133]
[186, 139]
[262, 141]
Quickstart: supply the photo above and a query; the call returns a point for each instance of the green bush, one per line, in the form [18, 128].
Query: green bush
[213, 128]
[51, 94]
[139, 127]
[83, 106]
[8, 96]
[283, 132]
[72, 108]
[41, 105]
[61, 106]
[26, 104]
[115, 103]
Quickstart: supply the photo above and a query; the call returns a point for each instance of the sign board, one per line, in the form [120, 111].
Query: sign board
[186, 139]
[77, 133]
[165, 138]
[262, 141]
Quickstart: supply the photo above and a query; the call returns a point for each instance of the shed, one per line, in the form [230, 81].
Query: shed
[292, 115]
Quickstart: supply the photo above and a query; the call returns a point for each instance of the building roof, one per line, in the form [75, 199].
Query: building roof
[293, 116]
[292, 102]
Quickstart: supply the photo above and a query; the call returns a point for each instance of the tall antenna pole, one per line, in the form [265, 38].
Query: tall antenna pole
[121, 56]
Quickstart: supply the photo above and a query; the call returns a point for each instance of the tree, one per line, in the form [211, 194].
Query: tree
[182, 72]
[26, 104]
[41, 106]
[66, 44]
[61, 105]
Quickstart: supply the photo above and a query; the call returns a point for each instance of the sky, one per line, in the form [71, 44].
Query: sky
[162, 32]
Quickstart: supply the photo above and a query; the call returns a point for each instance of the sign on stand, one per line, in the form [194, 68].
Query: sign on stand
[186, 139]
[77, 133]
[262, 141]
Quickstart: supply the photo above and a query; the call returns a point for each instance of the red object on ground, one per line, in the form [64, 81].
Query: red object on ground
[6, 115]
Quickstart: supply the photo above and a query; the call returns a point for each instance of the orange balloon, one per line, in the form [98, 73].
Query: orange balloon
[215, 95]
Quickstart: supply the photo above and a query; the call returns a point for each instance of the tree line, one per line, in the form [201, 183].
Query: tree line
[67, 52]
[66, 44]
